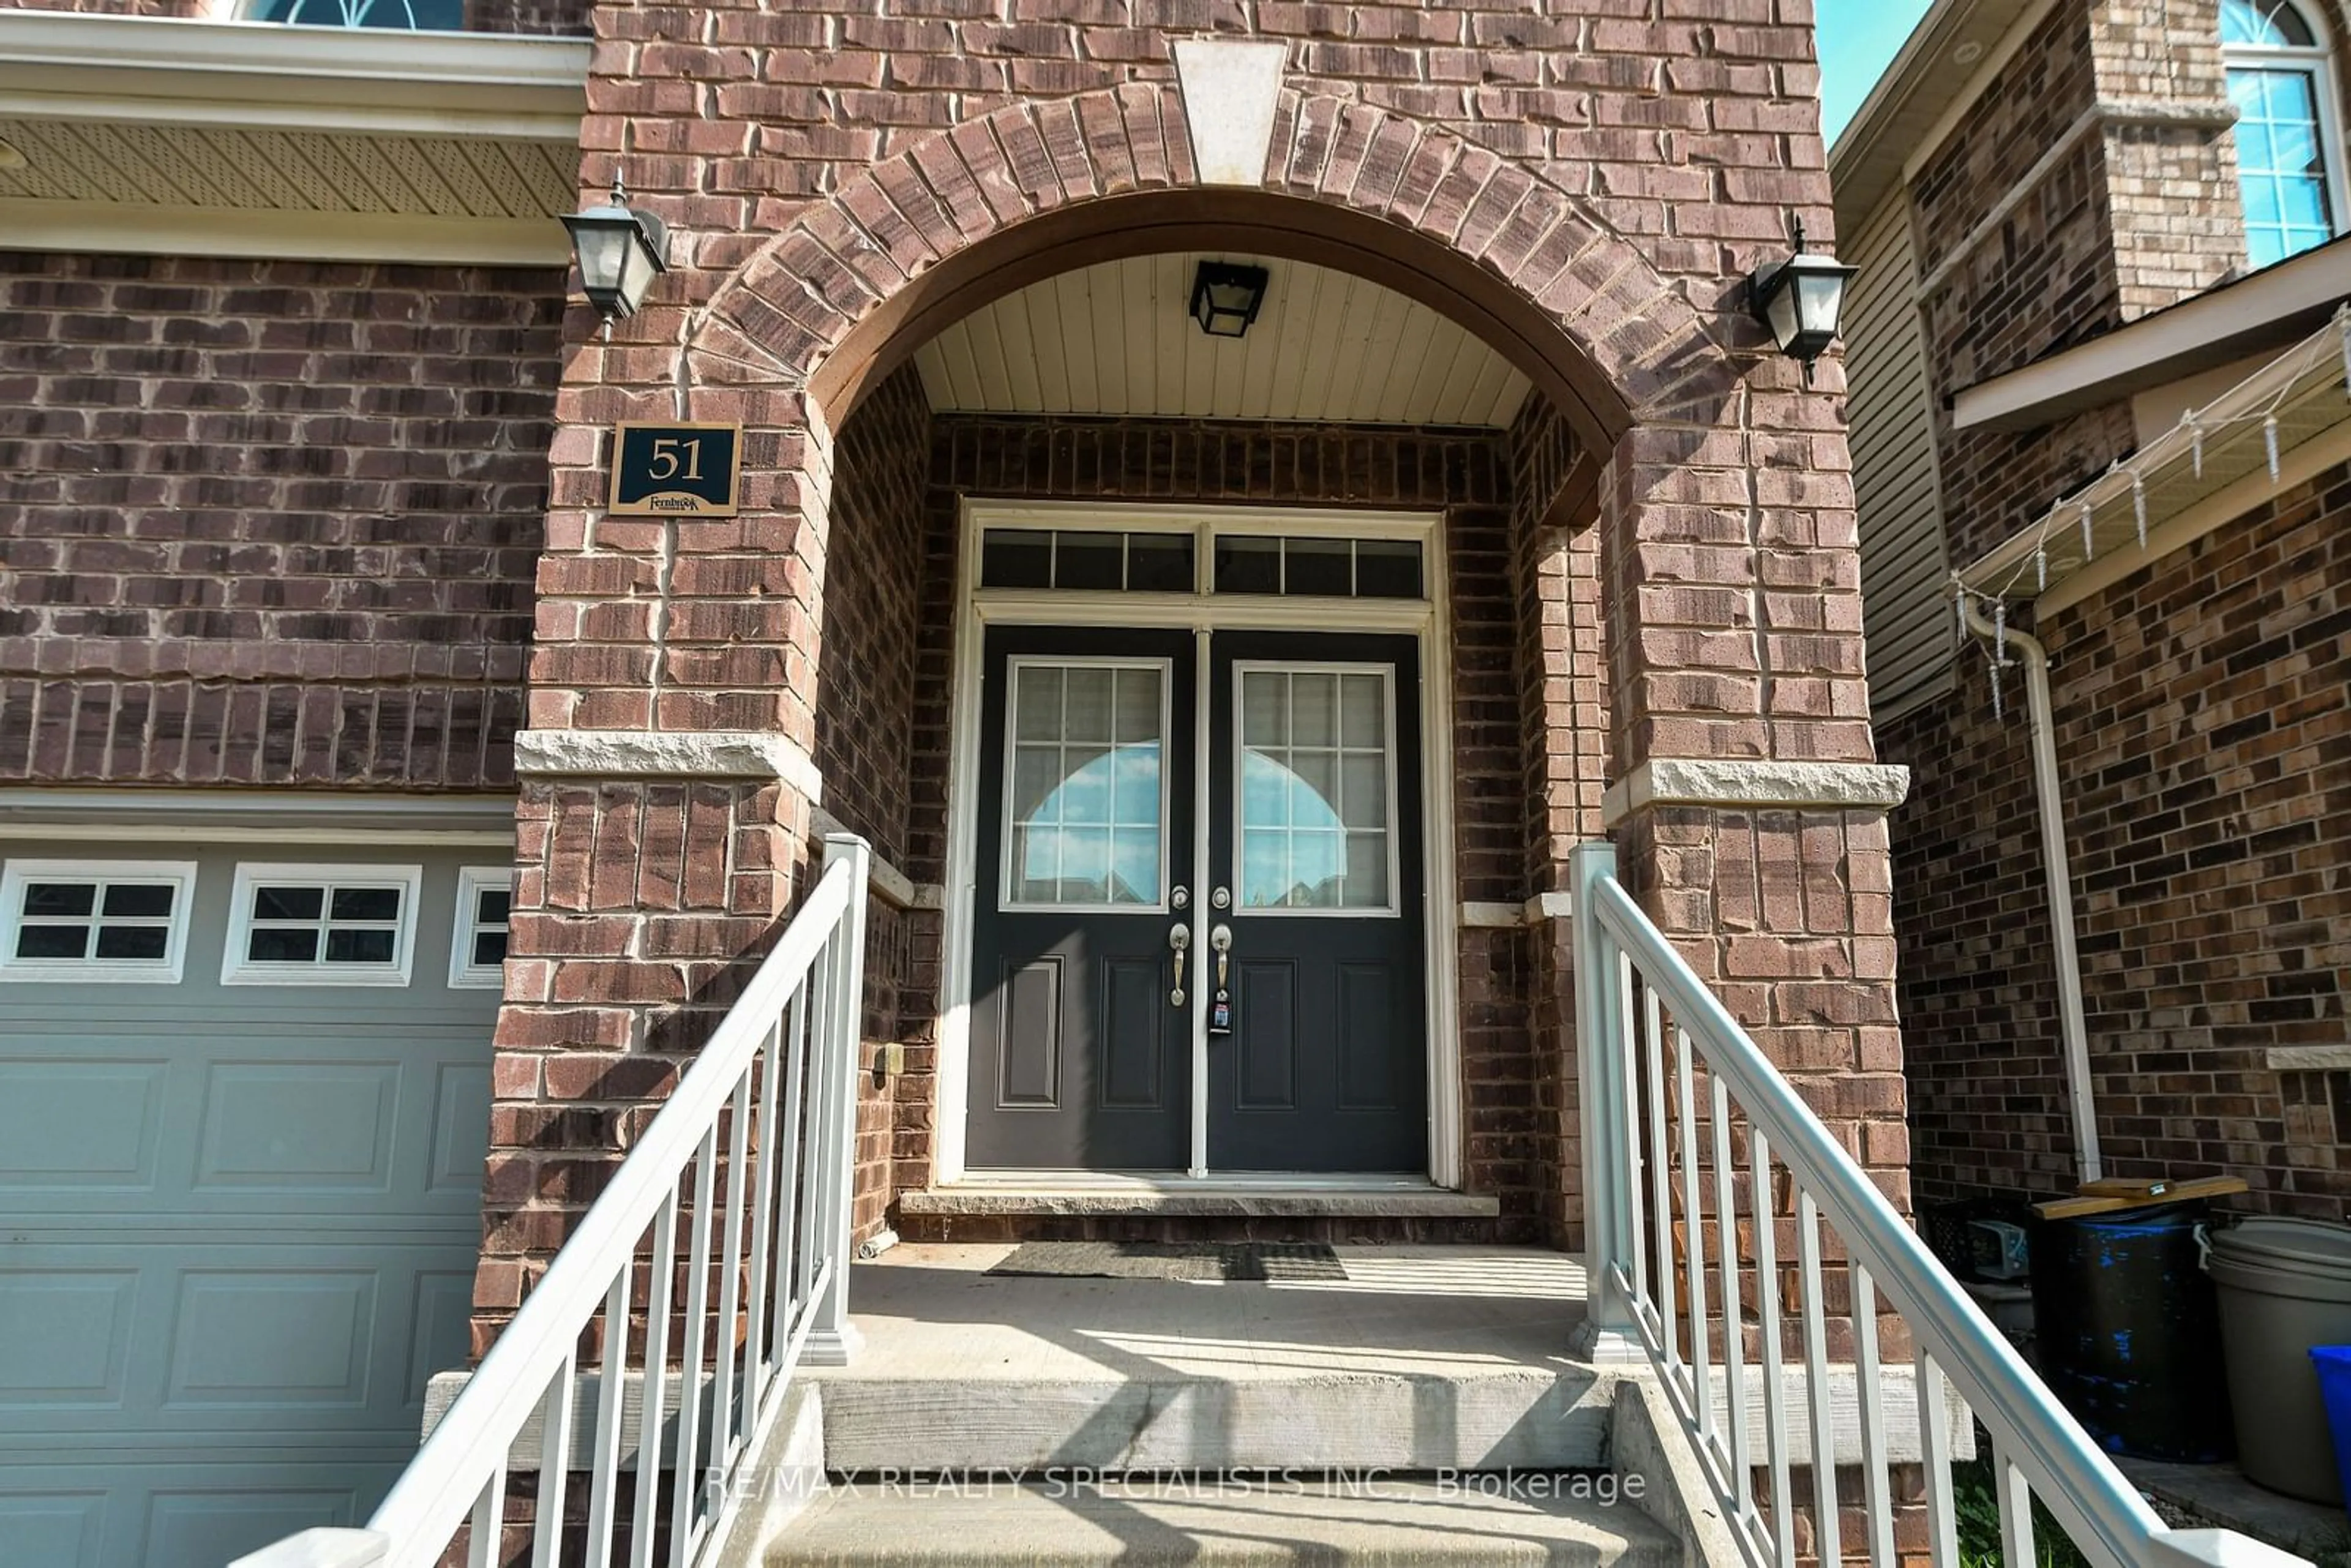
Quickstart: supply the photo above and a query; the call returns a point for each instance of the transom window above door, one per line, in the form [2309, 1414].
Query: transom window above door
[1086, 804]
[1230, 559]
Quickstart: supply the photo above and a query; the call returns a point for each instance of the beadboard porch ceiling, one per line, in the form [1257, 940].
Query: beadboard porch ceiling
[197, 136]
[1117, 339]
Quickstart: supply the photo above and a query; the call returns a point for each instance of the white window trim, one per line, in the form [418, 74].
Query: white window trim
[465, 975]
[180, 874]
[1394, 909]
[1013, 665]
[239, 970]
[2317, 62]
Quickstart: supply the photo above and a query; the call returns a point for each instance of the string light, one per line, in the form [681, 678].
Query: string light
[2231, 417]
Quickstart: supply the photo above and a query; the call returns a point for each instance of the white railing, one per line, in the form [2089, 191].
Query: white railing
[751, 1158]
[1691, 1125]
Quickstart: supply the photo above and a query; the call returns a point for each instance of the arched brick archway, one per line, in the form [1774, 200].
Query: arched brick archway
[960, 218]
[1728, 612]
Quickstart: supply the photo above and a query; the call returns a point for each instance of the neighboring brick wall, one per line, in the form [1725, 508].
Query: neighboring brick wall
[268, 522]
[2039, 281]
[2139, 212]
[2170, 158]
[2204, 743]
[1979, 996]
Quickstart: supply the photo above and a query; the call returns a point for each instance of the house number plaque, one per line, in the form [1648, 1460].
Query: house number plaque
[675, 470]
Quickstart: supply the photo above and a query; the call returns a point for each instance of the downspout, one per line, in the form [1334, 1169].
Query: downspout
[2072, 1022]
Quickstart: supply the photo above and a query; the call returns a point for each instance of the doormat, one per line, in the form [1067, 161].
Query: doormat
[1197, 1262]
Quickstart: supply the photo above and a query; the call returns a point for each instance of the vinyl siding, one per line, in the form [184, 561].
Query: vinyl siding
[1904, 570]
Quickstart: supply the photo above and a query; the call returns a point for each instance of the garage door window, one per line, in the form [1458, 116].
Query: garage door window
[321, 926]
[81, 920]
[477, 951]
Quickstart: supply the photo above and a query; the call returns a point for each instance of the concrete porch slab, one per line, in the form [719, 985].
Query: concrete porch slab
[1424, 1358]
[1026, 1193]
[1368, 1521]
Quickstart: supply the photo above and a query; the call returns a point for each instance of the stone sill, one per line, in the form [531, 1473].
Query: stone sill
[1209, 1198]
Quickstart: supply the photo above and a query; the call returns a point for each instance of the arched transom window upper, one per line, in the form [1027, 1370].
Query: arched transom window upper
[2289, 155]
[407, 15]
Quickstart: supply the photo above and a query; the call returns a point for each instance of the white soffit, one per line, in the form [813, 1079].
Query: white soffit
[1118, 338]
[195, 137]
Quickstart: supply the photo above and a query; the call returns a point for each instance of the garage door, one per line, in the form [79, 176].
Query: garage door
[243, 1106]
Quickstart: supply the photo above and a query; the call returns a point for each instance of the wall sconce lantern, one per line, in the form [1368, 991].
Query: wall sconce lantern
[1225, 298]
[1798, 301]
[621, 250]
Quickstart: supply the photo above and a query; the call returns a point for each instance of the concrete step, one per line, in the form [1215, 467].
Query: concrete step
[1140, 1522]
[1419, 1360]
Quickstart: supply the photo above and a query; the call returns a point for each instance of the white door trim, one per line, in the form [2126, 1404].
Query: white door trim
[1202, 613]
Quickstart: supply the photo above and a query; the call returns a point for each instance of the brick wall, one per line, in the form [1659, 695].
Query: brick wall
[1463, 474]
[1563, 692]
[1598, 183]
[268, 522]
[864, 710]
[2203, 716]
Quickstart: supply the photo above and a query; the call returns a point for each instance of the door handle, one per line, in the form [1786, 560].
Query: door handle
[1220, 1002]
[1179, 937]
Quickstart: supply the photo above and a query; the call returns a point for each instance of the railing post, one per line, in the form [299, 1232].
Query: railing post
[831, 1340]
[1600, 1070]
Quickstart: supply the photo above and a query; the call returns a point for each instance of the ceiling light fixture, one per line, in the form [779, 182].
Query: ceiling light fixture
[1225, 298]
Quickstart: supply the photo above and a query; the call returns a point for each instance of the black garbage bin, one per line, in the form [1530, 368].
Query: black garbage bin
[2128, 1330]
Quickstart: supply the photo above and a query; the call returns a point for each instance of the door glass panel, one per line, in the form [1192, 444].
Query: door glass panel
[1316, 789]
[1086, 796]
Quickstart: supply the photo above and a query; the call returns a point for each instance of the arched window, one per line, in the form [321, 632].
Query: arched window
[2289, 158]
[408, 16]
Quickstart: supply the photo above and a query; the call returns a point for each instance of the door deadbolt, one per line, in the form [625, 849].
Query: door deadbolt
[1222, 898]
